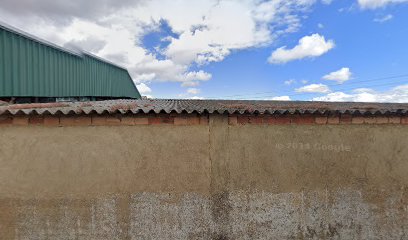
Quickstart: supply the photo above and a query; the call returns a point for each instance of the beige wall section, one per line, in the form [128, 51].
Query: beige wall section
[294, 158]
[87, 162]
[318, 182]
[204, 182]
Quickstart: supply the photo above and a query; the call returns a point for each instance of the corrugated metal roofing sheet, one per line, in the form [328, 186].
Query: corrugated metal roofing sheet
[204, 106]
[17, 31]
[32, 67]
[78, 52]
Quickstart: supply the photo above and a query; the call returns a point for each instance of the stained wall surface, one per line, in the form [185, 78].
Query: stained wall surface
[214, 181]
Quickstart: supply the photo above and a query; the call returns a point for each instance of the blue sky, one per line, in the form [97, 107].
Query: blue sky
[339, 50]
[370, 48]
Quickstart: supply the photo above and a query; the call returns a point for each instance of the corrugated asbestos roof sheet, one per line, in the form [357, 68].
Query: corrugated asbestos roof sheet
[203, 106]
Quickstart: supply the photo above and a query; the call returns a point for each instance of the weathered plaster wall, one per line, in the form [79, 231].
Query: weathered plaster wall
[340, 182]
[215, 181]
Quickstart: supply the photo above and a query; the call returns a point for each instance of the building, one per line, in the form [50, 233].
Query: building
[203, 169]
[34, 70]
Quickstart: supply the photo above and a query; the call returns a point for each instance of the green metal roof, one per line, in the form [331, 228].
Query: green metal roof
[31, 67]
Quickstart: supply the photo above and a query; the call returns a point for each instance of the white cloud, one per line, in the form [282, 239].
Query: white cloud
[145, 77]
[341, 76]
[308, 47]
[396, 94]
[143, 88]
[166, 71]
[190, 84]
[197, 98]
[198, 76]
[193, 91]
[372, 4]
[320, 25]
[289, 82]
[386, 18]
[208, 30]
[314, 88]
[281, 98]
[61, 11]
[231, 25]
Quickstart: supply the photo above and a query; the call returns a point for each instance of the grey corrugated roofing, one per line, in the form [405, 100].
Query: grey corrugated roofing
[204, 106]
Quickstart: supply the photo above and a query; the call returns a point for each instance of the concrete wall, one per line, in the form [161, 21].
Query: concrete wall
[210, 181]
